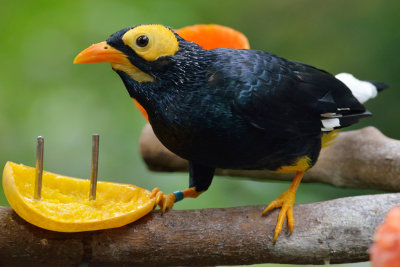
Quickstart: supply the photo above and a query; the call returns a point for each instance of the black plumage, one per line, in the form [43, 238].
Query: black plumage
[231, 108]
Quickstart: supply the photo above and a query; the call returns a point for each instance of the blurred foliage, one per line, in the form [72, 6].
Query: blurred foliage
[43, 93]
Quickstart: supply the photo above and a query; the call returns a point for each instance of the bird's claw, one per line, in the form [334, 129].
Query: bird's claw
[165, 202]
[286, 201]
[158, 195]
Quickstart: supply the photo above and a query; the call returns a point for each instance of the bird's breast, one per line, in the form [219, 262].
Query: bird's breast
[230, 142]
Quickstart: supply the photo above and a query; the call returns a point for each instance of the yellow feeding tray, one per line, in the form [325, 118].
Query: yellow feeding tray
[65, 206]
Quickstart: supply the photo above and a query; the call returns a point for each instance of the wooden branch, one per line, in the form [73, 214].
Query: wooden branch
[360, 159]
[336, 231]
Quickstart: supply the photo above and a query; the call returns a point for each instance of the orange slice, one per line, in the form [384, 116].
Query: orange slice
[65, 206]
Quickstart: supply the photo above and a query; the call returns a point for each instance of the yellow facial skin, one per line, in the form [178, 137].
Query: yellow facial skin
[102, 52]
[132, 71]
[162, 41]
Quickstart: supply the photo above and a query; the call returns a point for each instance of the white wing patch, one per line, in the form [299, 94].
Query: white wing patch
[362, 90]
[330, 124]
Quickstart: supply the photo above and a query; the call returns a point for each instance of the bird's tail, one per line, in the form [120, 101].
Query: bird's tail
[362, 90]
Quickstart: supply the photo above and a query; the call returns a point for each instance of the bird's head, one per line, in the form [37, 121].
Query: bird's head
[140, 51]
[153, 57]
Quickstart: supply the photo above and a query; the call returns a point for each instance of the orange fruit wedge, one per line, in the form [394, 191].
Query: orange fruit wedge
[65, 206]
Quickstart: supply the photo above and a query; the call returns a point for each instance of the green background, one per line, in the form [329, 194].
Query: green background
[43, 93]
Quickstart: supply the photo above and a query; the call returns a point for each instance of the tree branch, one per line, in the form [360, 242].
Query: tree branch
[360, 159]
[336, 231]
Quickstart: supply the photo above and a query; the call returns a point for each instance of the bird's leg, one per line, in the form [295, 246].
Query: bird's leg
[167, 201]
[286, 201]
[200, 179]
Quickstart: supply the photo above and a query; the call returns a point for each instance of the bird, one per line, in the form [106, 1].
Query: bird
[232, 108]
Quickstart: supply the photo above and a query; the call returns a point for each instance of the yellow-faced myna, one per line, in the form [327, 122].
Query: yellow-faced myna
[232, 108]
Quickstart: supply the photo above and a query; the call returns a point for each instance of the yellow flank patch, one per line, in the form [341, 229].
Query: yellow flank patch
[162, 41]
[302, 164]
[133, 72]
[328, 139]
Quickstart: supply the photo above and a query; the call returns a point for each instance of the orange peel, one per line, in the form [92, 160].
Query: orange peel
[65, 206]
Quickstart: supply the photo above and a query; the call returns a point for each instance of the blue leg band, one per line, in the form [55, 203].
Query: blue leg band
[179, 195]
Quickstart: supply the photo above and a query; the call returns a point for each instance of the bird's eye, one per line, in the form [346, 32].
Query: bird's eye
[142, 41]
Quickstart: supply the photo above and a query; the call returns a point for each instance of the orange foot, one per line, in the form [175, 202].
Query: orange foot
[165, 202]
[286, 201]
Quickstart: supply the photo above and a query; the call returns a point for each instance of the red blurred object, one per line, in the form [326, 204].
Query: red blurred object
[385, 252]
[210, 36]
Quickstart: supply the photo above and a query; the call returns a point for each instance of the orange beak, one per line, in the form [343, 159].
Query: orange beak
[100, 52]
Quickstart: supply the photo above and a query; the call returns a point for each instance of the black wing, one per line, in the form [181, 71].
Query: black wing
[270, 91]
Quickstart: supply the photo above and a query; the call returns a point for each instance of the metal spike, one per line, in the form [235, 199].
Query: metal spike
[94, 167]
[39, 168]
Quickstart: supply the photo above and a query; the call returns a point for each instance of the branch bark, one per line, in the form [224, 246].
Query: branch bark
[359, 159]
[336, 231]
